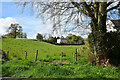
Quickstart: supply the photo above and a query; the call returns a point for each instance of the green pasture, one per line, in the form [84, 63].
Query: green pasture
[18, 66]
[17, 47]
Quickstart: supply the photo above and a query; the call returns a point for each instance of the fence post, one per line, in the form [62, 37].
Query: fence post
[26, 55]
[13, 53]
[61, 57]
[36, 55]
[7, 54]
[77, 52]
[76, 55]
[73, 56]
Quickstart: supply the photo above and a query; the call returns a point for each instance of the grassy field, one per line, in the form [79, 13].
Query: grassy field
[17, 66]
[17, 47]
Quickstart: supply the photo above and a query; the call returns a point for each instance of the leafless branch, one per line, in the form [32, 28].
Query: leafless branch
[115, 7]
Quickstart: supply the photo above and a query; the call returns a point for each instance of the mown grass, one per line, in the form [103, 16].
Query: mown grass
[17, 66]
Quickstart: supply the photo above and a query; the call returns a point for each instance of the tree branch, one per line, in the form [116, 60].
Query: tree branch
[76, 5]
[87, 7]
[113, 7]
[109, 3]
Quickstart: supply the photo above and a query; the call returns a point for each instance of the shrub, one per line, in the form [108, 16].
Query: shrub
[111, 46]
[3, 36]
[91, 58]
[61, 43]
[4, 55]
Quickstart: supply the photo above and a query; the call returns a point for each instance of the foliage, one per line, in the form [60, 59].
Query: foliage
[69, 37]
[25, 35]
[73, 39]
[110, 49]
[39, 36]
[14, 31]
[111, 46]
[4, 56]
[3, 36]
[61, 43]
[52, 39]
[91, 58]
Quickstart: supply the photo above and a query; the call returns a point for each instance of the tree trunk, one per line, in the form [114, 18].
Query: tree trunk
[102, 17]
[15, 32]
[98, 25]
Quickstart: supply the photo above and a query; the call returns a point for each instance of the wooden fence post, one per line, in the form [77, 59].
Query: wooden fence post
[77, 52]
[26, 55]
[73, 56]
[13, 53]
[7, 54]
[36, 55]
[61, 57]
[76, 55]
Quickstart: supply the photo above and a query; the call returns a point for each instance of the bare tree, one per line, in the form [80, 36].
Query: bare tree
[81, 14]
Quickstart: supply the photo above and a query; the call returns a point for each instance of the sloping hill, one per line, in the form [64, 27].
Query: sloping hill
[18, 47]
[22, 68]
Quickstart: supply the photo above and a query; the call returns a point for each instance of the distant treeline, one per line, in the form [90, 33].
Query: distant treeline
[72, 39]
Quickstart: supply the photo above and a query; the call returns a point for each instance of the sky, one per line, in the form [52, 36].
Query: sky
[30, 24]
[10, 13]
